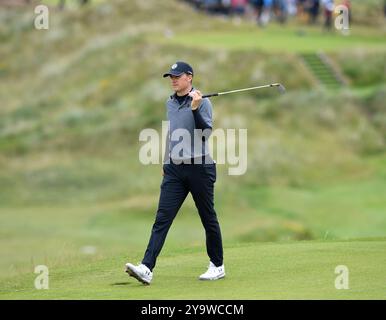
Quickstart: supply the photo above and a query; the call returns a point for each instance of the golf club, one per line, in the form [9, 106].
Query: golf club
[279, 86]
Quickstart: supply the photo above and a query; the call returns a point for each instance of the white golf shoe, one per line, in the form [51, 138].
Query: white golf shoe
[140, 272]
[213, 272]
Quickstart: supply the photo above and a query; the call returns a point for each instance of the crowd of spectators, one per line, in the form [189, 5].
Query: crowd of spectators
[265, 11]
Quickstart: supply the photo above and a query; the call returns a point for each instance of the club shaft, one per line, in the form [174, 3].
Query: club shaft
[239, 90]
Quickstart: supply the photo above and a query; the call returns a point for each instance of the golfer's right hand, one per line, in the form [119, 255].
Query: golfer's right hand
[196, 99]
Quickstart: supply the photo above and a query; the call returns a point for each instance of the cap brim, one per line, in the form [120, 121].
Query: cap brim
[172, 73]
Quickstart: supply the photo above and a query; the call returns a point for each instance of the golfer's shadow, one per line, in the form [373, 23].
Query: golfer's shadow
[122, 283]
[127, 283]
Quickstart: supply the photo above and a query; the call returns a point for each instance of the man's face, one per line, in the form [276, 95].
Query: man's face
[180, 83]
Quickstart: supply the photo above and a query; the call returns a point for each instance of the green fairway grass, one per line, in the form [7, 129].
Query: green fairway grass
[295, 270]
[276, 39]
[57, 232]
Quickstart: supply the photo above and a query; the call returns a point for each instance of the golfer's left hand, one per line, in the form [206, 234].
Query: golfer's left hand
[196, 99]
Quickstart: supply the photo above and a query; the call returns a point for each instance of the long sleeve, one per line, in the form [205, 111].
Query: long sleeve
[203, 115]
[166, 158]
[199, 121]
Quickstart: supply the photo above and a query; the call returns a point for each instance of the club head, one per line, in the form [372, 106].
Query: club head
[280, 87]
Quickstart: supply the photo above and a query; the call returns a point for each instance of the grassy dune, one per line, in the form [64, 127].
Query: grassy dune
[75, 98]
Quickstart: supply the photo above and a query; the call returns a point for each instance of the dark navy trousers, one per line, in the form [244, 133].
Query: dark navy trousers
[178, 181]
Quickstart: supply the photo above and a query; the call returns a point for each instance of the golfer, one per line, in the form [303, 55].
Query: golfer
[187, 167]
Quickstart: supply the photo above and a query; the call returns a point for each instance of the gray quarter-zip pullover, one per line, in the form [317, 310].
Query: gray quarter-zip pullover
[185, 141]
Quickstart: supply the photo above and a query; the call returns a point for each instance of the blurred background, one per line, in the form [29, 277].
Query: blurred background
[75, 97]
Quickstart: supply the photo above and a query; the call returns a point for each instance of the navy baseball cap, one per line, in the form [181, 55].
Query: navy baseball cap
[179, 68]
